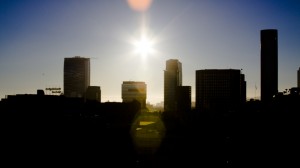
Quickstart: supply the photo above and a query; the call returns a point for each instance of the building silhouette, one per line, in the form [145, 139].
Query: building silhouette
[220, 90]
[243, 88]
[184, 99]
[298, 78]
[93, 93]
[68, 127]
[133, 90]
[76, 76]
[172, 79]
[269, 64]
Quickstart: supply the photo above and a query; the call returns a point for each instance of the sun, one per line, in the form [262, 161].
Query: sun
[144, 46]
[144, 41]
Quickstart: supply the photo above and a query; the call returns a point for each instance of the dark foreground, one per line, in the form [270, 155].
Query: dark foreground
[87, 136]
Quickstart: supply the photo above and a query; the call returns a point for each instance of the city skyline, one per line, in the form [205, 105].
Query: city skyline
[36, 36]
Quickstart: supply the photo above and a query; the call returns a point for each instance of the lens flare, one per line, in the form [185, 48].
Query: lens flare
[147, 133]
[139, 5]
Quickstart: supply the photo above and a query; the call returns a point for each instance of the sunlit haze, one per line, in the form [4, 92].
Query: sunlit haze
[130, 40]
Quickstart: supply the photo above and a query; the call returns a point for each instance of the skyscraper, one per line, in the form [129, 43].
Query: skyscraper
[172, 79]
[76, 76]
[220, 90]
[269, 64]
[132, 90]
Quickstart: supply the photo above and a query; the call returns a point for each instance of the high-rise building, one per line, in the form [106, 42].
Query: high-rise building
[298, 78]
[133, 90]
[172, 79]
[220, 90]
[76, 76]
[269, 64]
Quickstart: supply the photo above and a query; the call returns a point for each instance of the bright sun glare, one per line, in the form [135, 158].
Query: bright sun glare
[144, 46]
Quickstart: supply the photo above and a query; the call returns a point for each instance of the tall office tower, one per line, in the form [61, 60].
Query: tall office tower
[172, 79]
[269, 64]
[132, 90]
[76, 76]
[93, 93]
[220, 90]
[298, 78]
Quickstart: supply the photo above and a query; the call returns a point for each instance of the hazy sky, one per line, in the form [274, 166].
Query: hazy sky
[36, 36]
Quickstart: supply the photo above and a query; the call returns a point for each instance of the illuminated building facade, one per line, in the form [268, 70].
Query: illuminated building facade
[133, 90]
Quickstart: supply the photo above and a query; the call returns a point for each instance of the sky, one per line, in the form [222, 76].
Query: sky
[36, 36]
